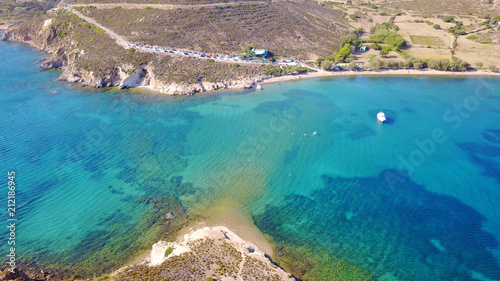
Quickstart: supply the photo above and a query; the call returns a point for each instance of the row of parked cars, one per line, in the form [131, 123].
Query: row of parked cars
[232, 58]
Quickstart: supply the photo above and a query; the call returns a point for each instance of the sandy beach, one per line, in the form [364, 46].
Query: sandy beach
[383, 72]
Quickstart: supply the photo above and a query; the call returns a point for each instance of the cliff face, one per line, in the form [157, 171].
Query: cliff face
[41, 35]
[59, 38]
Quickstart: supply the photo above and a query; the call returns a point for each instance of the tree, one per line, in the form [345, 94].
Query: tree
[375, 64]
[463, 65]
[328, 65]
[418, 63]
[381, 33]
[354, 17]
[353, 66]
[273, 70]
[445, 64]
[319, 60]
[479, 65]
[493, 68]
[437, 26]
[384, 52]
[247, 49]
[434, 64]
[343, 53]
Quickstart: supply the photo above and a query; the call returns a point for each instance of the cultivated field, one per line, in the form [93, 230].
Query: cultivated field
[422, 25]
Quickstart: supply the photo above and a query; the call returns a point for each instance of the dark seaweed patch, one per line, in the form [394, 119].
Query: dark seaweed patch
[386, 229]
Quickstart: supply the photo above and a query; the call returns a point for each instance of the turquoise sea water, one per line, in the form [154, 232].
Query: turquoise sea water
[416, 198]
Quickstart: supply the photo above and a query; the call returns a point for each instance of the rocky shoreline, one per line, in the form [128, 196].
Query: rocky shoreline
[208, 252]
[42, 35]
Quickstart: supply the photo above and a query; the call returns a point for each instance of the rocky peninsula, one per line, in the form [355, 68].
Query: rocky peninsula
[209, 252]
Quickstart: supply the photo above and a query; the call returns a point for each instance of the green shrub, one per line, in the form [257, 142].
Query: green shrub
[472, 37]
[384, 52]
[381, 34]
[168, 251]
[210, 60]
[343, 53]
[449, 19]
[328, 65]
[273, 70]
[294, 70]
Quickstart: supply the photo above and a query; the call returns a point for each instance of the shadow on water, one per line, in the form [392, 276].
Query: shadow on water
[389, 121]
[401, 229]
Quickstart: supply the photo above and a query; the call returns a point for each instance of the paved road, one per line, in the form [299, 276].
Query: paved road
[124, 43]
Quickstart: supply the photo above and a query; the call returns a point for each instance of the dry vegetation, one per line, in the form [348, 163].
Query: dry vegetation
[97, 52]
[430, 36]
[172, 2]
[300, 29]
[11, 10]
[207, 258]
[429, 7]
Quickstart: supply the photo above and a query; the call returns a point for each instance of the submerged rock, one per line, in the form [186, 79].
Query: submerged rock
[16, 274]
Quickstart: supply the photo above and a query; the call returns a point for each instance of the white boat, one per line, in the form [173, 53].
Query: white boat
[381, 117]
[259, 87]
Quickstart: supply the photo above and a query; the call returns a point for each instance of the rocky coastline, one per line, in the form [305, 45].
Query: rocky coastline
[43, 36]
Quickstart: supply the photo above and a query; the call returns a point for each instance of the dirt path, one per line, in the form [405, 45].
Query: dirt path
[162, 6]
[124, 43]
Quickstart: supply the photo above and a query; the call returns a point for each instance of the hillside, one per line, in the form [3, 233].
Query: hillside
[90, 57]
[304, 30]
[14, 11]
[82, 43]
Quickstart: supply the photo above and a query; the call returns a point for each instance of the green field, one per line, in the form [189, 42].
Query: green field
[427, 40]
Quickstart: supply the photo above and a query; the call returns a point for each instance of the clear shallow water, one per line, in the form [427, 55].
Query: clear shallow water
[85, 158]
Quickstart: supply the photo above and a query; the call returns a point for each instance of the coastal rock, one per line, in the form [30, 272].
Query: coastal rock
[53, 63]
[16, 275]
[135, 79]
[169, 216]
[191, 257]
[42, 35]
[158, 252]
